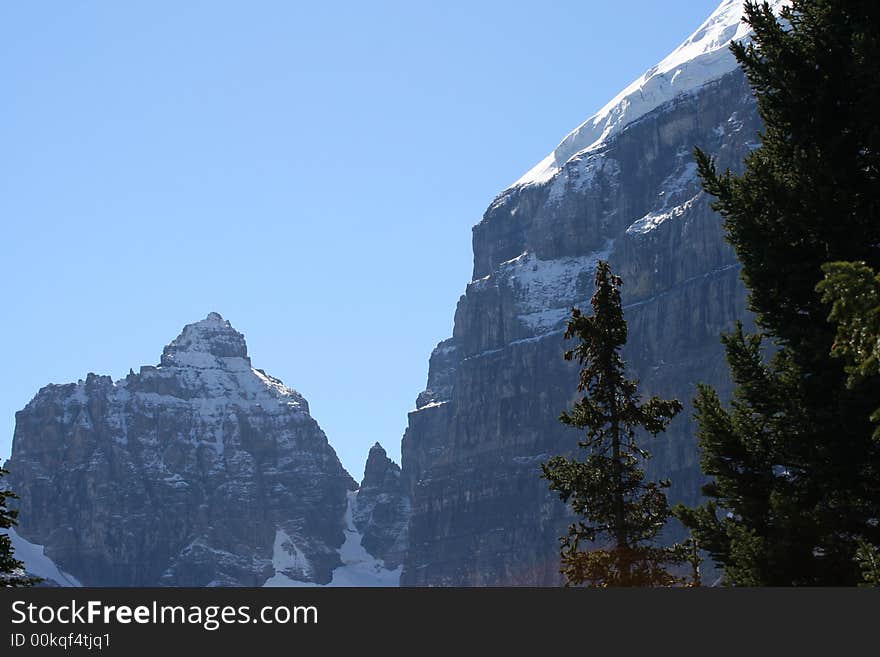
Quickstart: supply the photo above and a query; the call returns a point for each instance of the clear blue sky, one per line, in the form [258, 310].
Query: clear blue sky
[311, 172]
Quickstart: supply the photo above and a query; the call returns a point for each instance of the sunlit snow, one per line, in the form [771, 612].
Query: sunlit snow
[702, 58]
[36, 562]
[359, 568]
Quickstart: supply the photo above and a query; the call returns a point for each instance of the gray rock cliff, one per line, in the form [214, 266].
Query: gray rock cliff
[183, 474]
[383, 508]
[623, 187]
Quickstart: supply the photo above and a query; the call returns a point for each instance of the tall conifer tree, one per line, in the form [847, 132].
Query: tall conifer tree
[796, 472]
[621, 513]
[853, 291]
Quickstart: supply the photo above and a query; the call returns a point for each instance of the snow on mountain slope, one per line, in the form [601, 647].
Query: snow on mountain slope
[359, 568]
[703, 57]
[37, 563]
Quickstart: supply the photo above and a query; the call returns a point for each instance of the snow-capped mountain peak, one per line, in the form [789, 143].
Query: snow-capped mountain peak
[209, 359]
[703, 57]
[212, 335]
[180, 474]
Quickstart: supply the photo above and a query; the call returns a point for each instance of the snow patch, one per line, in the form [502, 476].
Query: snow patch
[37, 563]
[584, 173]
[682, 179]
[653, 219]
[433, 404]
[682, 183]
[359, 568]
[287, 559]
[546, 289]
[545, 319]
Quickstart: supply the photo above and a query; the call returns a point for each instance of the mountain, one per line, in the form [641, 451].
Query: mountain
[383, 508]
[623, 187]
[201, 471]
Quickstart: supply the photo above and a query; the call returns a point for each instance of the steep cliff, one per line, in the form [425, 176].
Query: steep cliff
[383, 507]
[622, 187]
[199, 471]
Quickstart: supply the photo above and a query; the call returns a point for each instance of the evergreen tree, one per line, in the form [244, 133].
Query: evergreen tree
[794, 465]
[753, 539]
[868, 558]
[12, 572]
[853, 291]
[620, 510]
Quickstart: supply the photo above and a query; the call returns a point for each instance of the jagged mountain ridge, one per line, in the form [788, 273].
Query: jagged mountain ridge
[621, 187]
[200, 471]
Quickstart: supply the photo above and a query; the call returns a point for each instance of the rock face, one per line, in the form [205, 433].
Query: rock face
[383, 508]
[622, 187]
[184, 474]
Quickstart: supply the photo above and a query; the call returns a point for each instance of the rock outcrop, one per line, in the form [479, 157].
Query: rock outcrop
[183, 474]
[383, 508]
[622, 187]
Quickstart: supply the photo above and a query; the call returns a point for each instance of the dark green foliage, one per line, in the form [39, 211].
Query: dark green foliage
[868, 558]
[796, 473]
[753, 539]
[11, 569]
[620, 510]
[853, 291]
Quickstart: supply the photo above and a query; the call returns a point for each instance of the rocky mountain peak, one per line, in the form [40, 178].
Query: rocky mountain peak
[382, 509]
[379, 469]
[201, 471]
[213, 337]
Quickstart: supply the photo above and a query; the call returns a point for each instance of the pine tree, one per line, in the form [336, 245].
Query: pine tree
[852, 289]
[794, 465]
[753, 538]
[868, 559]
[620, 510]
[12, 572]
